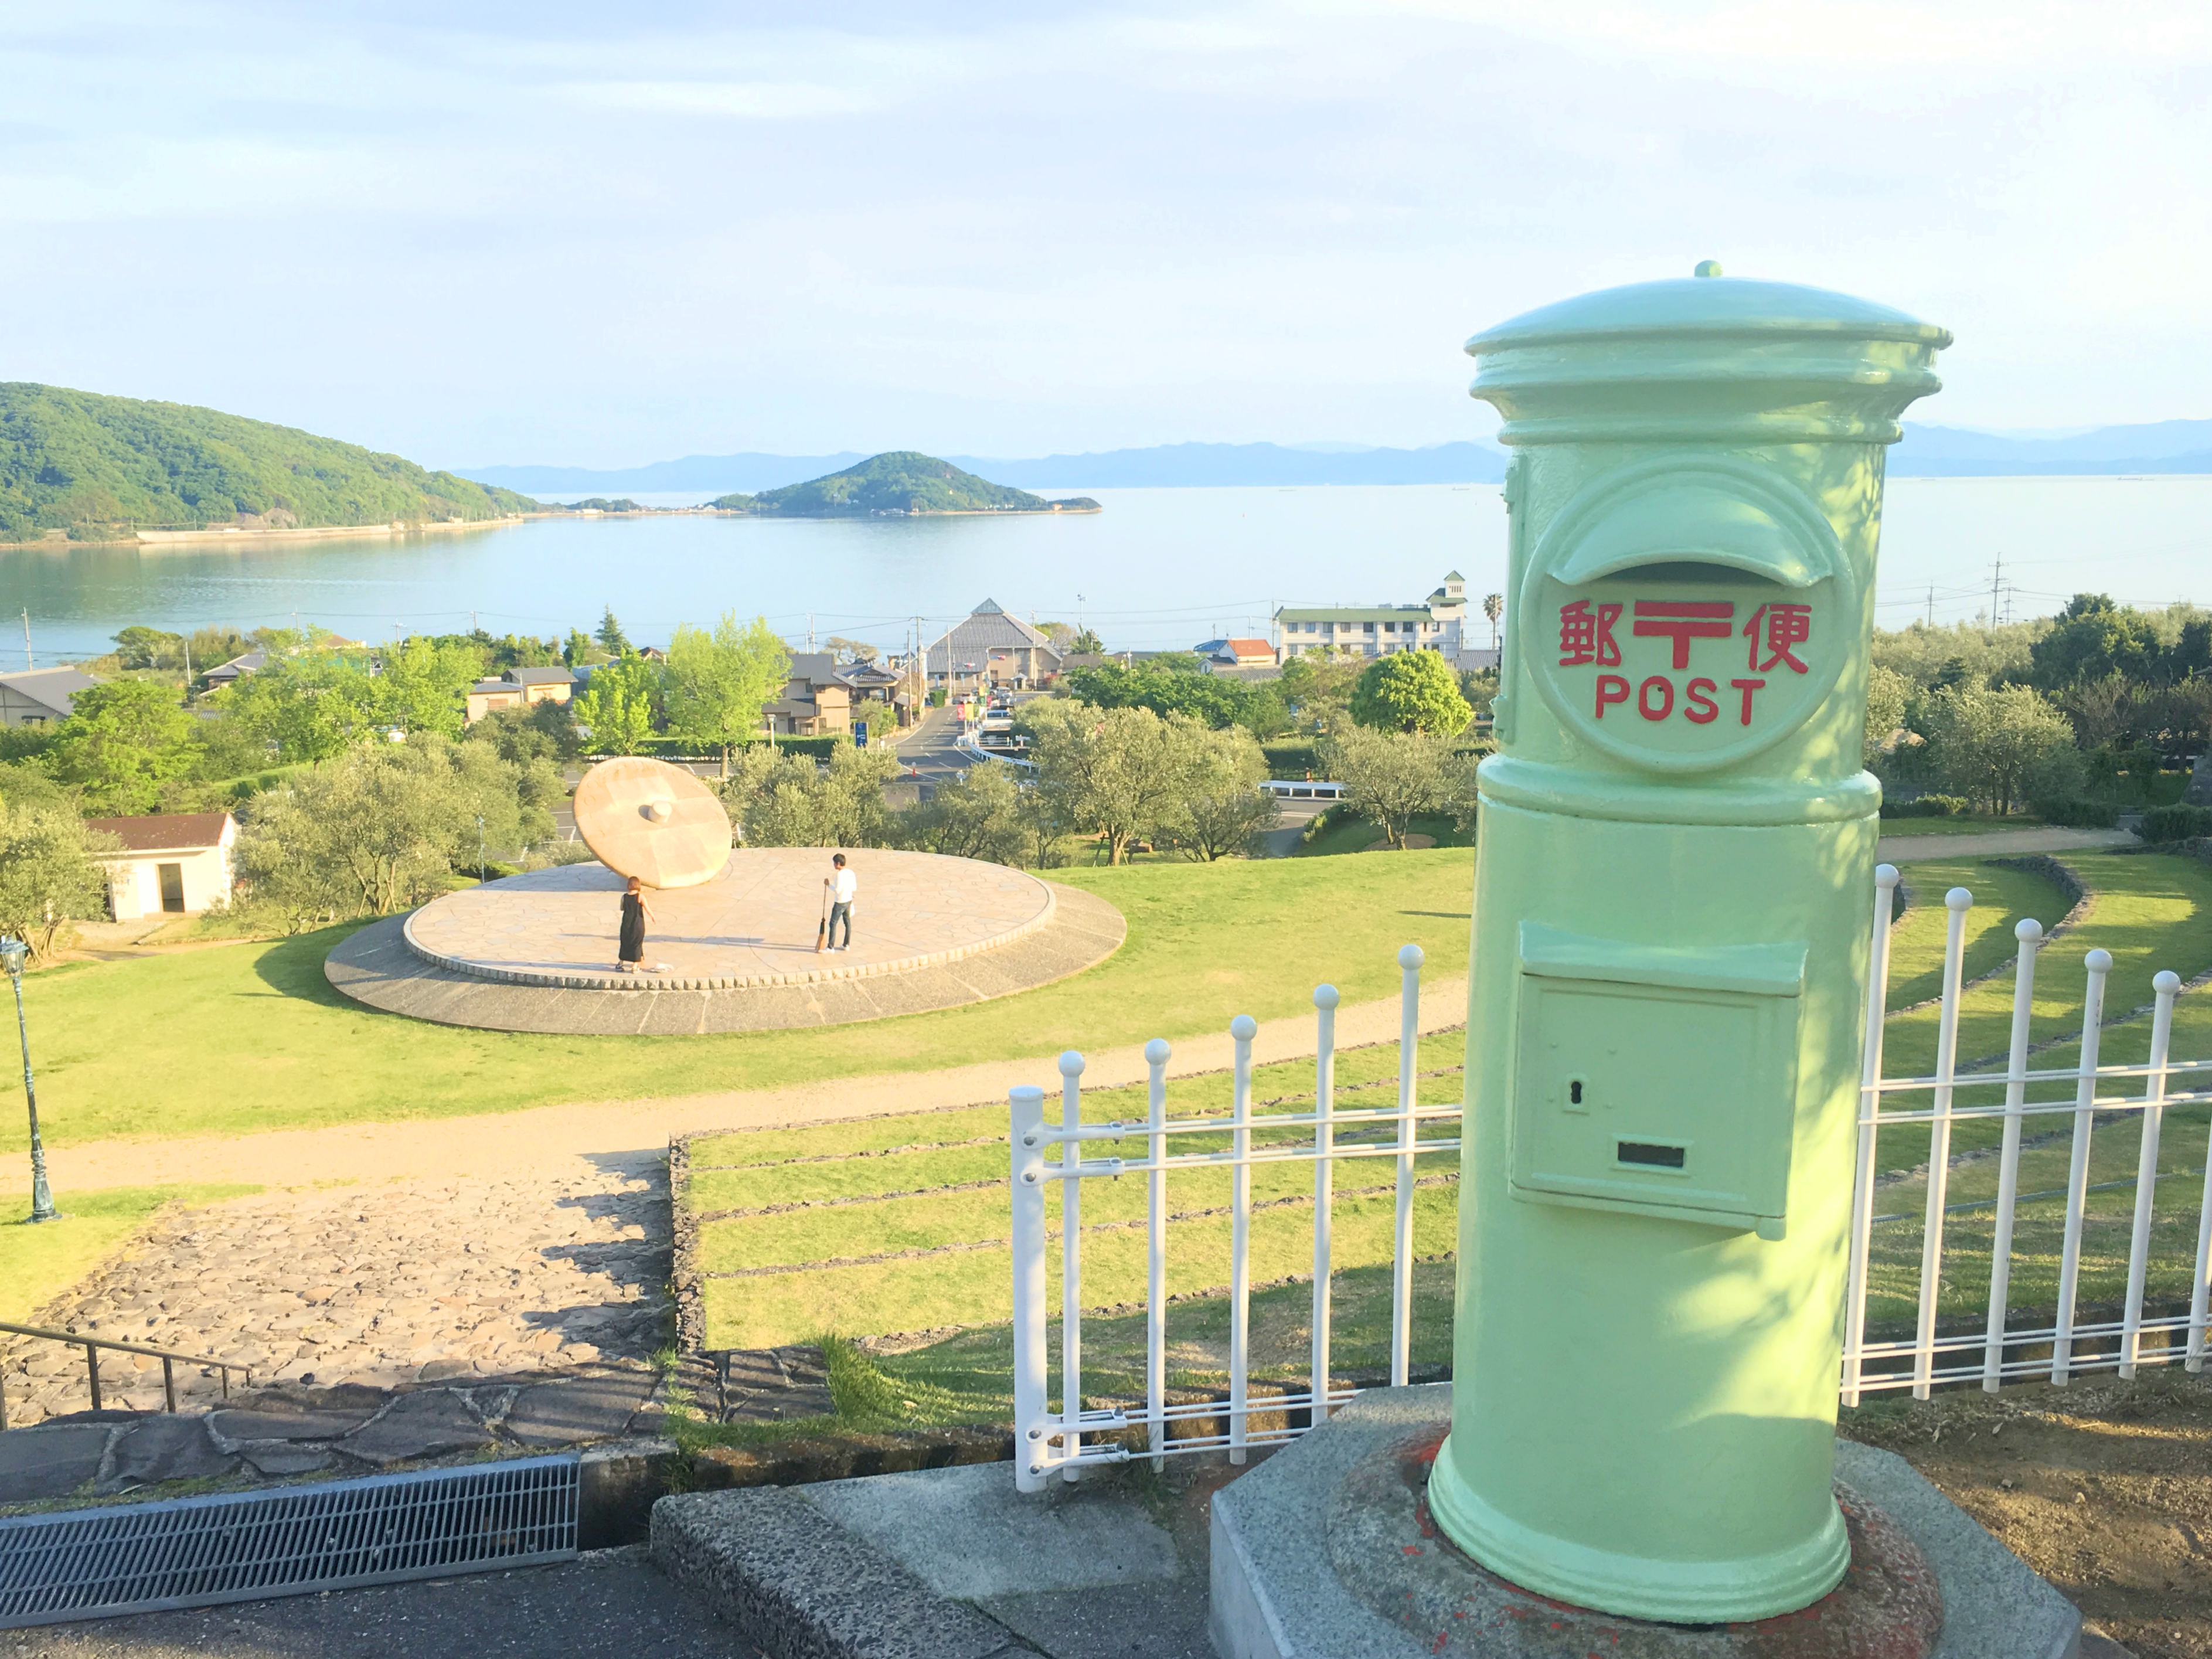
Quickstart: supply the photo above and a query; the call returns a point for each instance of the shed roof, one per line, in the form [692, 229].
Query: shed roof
[166, 832]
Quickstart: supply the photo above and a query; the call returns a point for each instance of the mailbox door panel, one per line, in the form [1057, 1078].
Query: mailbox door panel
[1655, 1099]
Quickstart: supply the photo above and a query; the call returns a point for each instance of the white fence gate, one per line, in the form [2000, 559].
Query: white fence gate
[1063, 1441]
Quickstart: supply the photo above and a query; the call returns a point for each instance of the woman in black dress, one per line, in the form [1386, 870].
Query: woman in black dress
[635, 915]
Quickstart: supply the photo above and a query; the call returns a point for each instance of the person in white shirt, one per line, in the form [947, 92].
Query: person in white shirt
[842, 884]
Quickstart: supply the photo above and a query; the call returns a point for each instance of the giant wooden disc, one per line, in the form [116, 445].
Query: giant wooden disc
[656, 821]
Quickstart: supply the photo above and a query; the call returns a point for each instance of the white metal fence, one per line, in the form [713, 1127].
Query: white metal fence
[1947, 1346]
[1982, 1343]
[1051, 1441]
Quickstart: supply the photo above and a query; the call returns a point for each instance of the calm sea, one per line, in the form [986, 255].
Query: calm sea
[1158, 569]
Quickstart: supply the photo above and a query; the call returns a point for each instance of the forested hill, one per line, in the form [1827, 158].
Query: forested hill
[98, 468]
[900, 482]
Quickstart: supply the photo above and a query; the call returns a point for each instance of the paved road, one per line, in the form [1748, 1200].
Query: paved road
[1897, 849]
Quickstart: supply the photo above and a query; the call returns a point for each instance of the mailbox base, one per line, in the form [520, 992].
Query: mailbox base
[1698, 1593]
[1328, 1548]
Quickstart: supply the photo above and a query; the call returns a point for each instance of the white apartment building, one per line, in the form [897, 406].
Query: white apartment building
[1439, 624]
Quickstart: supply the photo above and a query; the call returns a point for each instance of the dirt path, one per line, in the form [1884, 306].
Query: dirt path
[630, 1135]
[1901, 849]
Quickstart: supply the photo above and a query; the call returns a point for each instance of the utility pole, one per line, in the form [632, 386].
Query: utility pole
[810, 630]
[1931, 604]
[1996, 570]
[27, 664]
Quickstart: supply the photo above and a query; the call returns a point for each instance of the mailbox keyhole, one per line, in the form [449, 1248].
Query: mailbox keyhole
[1575, 1101]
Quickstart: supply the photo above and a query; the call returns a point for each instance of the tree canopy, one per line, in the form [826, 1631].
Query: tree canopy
[1216, 700]
[1410, 691]
[719, 680]
[97, 468]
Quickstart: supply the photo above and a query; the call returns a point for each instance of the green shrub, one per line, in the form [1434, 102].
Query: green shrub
[1292, 760]
[2078, 813]
[1928, 806]
[2177, 823]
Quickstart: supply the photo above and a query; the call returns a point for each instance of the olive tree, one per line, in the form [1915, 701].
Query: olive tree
[1998, 748]
[381, 827]
[1225, 811]
[50, 871]
[1119, 774]
[978, 815]
[1391, 778]
[789, 800]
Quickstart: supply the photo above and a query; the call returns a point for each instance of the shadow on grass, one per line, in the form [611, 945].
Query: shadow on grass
[294, 967]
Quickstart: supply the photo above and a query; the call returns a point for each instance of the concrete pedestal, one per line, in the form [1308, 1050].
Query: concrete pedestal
[1327, 1550]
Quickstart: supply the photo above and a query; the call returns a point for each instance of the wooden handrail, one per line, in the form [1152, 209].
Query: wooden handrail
[92, 1344]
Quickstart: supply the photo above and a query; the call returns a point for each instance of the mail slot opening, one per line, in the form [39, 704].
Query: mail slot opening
[1651, 1154]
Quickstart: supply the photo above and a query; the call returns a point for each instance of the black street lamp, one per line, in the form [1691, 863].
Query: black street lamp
[12, 954]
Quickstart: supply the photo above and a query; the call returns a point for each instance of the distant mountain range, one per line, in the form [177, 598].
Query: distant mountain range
[1928, 452]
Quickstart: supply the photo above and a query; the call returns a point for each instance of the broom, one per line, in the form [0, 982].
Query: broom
[822, 933]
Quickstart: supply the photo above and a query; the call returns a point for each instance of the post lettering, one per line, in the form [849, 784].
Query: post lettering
[1588, 638]
[1746, 687]
[1698, 705]
[1643, 698]
[1611, 688]
[1784, 627]
[1682, 621]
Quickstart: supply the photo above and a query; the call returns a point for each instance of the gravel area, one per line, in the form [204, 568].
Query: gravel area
[402, 1282]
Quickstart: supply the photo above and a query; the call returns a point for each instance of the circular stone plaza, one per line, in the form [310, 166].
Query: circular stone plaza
[738, 952]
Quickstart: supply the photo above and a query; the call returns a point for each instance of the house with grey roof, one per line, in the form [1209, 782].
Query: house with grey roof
[520, 688]
[990, 648]
[41, 696]
[237, 669]
[817, 700]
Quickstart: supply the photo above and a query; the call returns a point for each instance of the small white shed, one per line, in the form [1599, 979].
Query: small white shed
[177, 862]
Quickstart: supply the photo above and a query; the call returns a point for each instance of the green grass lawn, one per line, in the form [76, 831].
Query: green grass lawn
[2152, 911]
[249, 1038]
[905, 1221]
[901, 1223]
[38, 1262]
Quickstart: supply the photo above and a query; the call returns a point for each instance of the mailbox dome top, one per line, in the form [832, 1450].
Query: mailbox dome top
[1709, 304]
[1707, 359]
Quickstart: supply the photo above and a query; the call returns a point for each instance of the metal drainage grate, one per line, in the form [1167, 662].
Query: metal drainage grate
[242, 1547]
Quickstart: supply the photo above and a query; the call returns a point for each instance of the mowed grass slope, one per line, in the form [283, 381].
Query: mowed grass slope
[240, 1038]
[901, 1223]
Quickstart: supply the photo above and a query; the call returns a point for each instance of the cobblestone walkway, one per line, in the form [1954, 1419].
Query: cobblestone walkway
[380, 1285]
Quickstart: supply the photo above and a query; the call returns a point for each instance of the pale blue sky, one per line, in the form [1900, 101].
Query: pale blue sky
[602, 235]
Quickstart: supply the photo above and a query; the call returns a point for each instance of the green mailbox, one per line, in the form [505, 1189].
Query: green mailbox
[1672, 888]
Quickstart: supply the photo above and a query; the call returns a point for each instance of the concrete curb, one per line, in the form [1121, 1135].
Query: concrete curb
[792, 1581]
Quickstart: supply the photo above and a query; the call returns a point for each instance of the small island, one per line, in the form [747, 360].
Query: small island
[900, 484]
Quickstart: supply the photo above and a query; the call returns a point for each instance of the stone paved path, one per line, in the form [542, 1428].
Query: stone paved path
[379, 1284]
[754, 924]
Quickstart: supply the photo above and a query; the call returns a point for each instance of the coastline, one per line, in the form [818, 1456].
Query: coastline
[306, 533]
